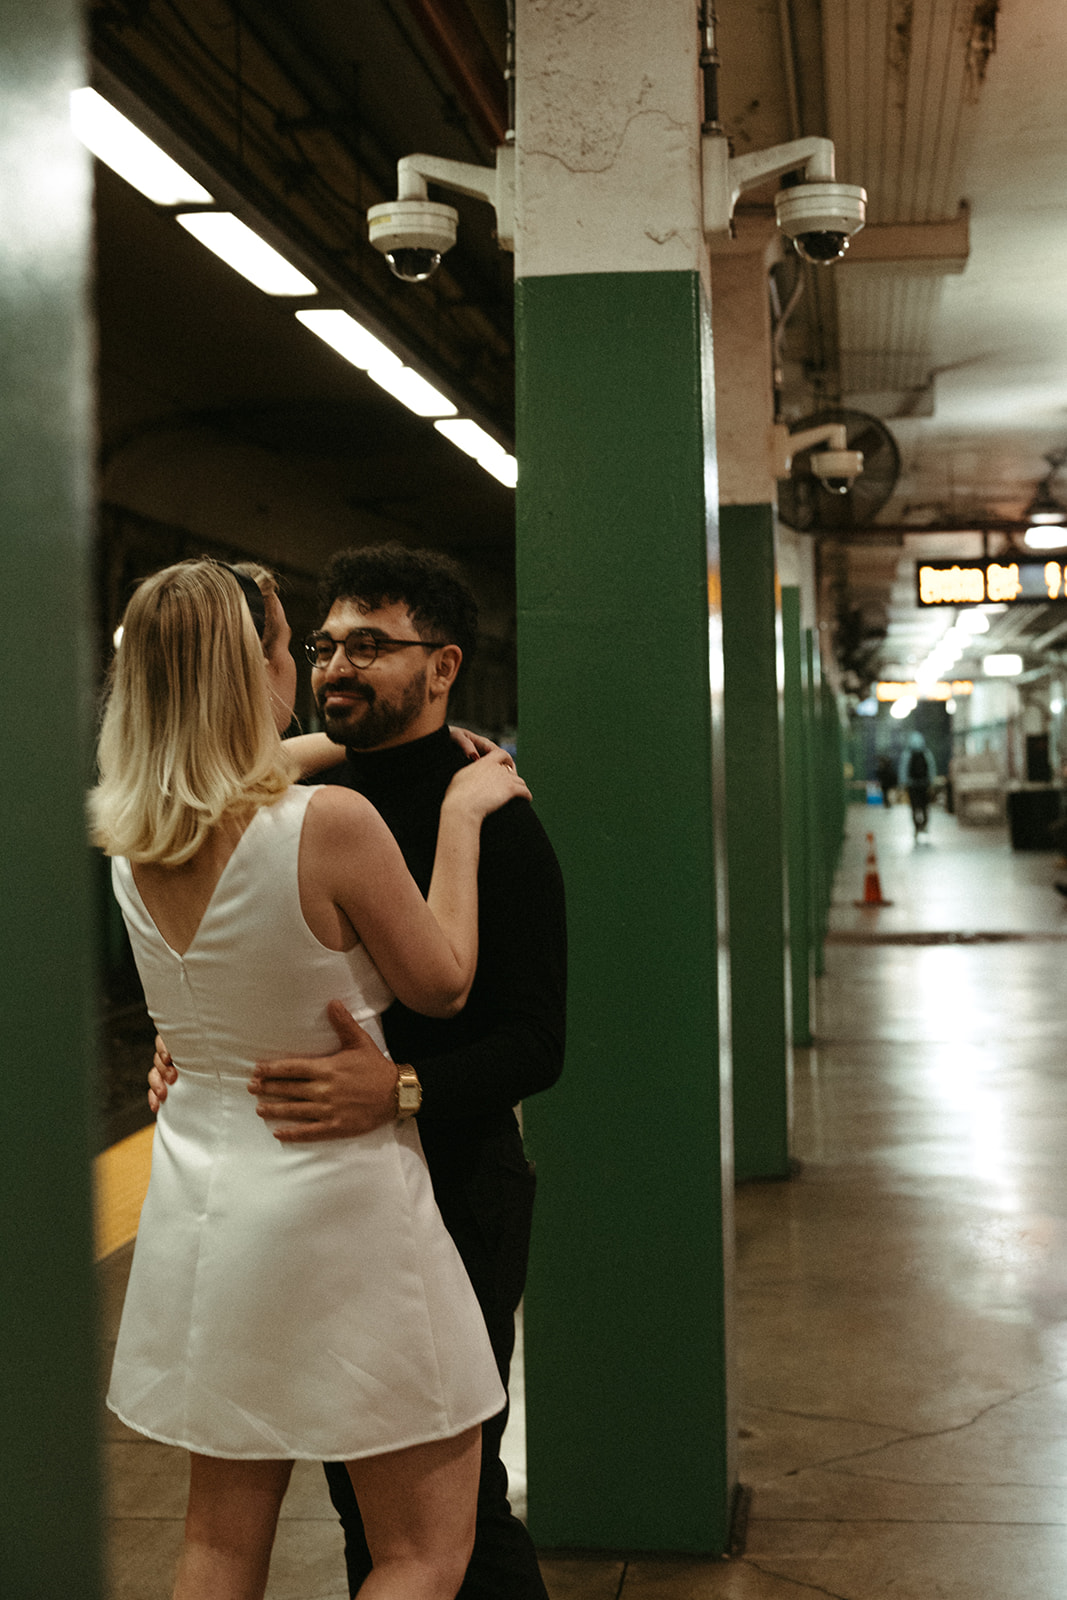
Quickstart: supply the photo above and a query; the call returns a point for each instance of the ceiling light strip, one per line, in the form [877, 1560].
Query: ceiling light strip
[249, 254]
[234, 242]
[475, 442]
[115, 140]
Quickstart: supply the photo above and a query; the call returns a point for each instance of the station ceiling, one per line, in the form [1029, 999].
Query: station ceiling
[947, 322]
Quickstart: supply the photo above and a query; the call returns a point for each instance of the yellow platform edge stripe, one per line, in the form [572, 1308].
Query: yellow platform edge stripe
[120, 1181]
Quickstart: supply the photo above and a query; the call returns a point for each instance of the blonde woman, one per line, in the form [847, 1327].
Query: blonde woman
[286, 1301]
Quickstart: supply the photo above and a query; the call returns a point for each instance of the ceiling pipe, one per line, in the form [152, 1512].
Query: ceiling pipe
[785, 26]
[465, 55]
[509, 70]
[709, 66]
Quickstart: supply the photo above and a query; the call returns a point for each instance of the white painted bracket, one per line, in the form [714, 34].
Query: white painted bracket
[494, 184]
[725, 178]
[785, 445]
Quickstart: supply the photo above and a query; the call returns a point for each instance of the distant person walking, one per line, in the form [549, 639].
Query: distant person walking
[917, 774]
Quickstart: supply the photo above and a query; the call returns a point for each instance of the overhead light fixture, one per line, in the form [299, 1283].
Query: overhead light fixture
[1044, 509]
[1050, 536]
[115, 141]
[488, 453]
[972, 621]
[903, 707]
[1003, 666]
[413, 391]
[350, 339]
[234, 242]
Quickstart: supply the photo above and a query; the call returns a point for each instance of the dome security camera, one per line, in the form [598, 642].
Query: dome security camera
[820, 218]
[837, 470]
[413, 232]
[412, 235]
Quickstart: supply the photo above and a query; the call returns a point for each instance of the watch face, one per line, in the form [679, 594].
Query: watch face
[409, 1097]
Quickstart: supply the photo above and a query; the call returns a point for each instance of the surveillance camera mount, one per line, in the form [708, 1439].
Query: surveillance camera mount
[819, 208]
[415, 223]
[834, 465]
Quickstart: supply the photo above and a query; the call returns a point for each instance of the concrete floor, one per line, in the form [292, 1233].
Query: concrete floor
[902, 1303]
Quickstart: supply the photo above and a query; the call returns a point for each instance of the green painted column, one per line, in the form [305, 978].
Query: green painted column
[797, 811]
[762, 1059]
[826, 778]
[836, 800]
[49, 1473]
[629, 1436]
[630, 1433]
[814, 774]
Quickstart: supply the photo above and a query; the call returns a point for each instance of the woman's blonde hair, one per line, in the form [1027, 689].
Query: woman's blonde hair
[187, 736]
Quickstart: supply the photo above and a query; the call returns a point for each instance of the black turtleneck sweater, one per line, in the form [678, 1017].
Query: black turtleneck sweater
[507, 1042]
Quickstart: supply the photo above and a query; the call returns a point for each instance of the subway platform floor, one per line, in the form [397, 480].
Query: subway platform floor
[901, 1302]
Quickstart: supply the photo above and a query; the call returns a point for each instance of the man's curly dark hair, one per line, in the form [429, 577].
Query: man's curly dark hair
[431, 585]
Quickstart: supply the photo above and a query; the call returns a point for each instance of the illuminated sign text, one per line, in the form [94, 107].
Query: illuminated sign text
[1002, 582]
[887, 690]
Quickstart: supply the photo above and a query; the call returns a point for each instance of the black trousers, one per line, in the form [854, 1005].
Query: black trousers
[487, 1206]
[919, 796]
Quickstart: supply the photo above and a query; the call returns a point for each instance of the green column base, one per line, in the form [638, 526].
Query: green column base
[797, 813]
[629, 1433]
[762, 1057]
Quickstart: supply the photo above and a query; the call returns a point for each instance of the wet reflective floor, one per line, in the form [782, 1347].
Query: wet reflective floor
[902, 1302]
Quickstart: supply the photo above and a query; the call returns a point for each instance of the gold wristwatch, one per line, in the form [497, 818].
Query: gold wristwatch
[408, 1093]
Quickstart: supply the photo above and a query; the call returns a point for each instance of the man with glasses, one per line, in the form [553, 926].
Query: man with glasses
[399, 625]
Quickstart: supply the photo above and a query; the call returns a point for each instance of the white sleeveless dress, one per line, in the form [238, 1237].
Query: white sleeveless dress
[285, 1301]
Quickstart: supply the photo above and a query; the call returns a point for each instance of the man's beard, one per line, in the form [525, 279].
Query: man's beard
[374, 722]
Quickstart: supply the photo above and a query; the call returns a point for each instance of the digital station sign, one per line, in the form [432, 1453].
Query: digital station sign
[975, 583]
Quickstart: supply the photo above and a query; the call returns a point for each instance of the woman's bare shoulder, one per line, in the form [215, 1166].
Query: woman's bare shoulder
[333, 810]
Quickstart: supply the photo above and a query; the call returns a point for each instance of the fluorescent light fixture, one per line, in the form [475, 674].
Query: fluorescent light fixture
[113, 139]
[903, 707]
[1044, 507]
[1005, 666]
[504, 468]
[472, 439]
[972, 622]
[350, 339]
[468, 436]
[412, 391]
[235, 243]
[1046, 538]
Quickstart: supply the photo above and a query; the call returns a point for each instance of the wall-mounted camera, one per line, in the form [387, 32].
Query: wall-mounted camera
[837, 470]
[413, 235]
[818, 214]
[836, 467]
[413, 232]
[820, 218]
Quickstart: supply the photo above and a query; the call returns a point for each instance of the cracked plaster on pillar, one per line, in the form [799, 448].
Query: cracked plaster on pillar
[608, 138]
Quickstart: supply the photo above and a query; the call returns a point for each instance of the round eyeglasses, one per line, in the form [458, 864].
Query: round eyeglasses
[361, 647]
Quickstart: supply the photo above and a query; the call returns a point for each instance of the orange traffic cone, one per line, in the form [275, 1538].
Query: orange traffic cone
[872, 885]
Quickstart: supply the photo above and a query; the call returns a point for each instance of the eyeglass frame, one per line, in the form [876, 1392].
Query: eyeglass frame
[374, 644]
